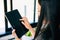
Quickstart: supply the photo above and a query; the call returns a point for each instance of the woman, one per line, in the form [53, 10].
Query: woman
[45, 29]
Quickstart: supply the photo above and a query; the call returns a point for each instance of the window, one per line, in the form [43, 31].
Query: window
[2, 18]
[36, 14]
[25, 7]
[9, 9]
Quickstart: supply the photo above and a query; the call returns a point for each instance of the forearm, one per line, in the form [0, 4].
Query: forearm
[32, 31]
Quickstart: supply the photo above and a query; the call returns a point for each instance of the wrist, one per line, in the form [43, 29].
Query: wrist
[32, 31]
[29, 27]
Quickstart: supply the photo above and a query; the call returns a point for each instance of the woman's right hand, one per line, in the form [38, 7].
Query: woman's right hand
[27, 25]
[25, 22]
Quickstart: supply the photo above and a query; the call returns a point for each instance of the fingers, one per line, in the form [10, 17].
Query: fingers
[21, 19]
[24, 18]
[13, 32]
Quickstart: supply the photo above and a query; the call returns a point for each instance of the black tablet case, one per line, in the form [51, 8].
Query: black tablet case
[13, 17]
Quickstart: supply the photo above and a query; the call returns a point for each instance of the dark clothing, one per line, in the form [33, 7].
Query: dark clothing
[45, 35]
[58, 21]
[49, 10]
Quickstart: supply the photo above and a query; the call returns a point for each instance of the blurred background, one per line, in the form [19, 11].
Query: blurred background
[26, 8]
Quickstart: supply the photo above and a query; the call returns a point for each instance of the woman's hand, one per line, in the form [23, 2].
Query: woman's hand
[25, 22]
[14, 34]
[27, 25]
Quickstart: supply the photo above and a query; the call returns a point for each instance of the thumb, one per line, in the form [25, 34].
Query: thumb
[23, 23]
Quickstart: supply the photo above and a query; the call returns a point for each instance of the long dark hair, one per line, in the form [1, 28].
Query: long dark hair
[51, 16]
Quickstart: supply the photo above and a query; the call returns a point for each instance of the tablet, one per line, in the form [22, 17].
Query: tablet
[13, 17]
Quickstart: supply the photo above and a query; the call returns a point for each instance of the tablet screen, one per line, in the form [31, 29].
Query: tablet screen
[13, 17]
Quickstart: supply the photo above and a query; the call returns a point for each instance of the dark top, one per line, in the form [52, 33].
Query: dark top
[49, 7]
